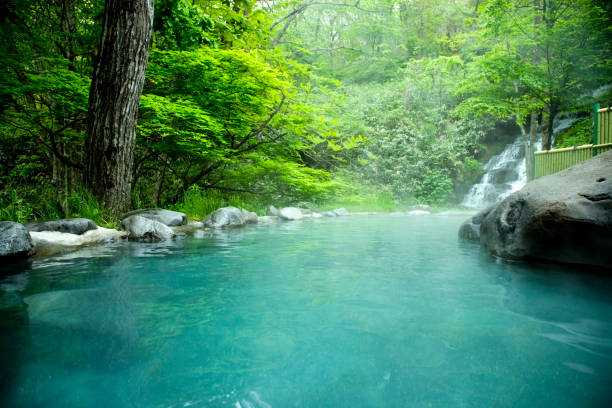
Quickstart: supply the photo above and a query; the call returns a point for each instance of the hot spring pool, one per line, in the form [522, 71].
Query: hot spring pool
[360, 311]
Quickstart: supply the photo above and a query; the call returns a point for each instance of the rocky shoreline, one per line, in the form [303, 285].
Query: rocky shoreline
[46, 238]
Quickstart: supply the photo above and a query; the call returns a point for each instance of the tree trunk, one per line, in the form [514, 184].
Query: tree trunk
[114, 97]
[533, 137]
[547, 132]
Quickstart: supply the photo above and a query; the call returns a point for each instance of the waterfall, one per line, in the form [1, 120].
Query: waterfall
[506, 172]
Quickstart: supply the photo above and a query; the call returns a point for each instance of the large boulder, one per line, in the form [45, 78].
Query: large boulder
[145, 230]
[166, 217]
[76, 226]
[15, 241]
[290, 213]
[225, 217]
[564, 217]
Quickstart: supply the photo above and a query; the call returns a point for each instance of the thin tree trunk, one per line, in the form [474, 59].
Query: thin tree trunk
[533, 136]
[114, 97]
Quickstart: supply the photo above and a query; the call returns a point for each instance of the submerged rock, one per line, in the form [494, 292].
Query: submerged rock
[564, 217]
[15, 241]
[166, 217]
[291, 213]
[101, 322]
[146, 230]
[76, 226]
[225, 217]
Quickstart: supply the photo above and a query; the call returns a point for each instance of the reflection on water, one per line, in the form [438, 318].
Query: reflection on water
[367, 311]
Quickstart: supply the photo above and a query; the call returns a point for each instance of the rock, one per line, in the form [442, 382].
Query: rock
[249, 217]
[564, 217]
[189, 228]
[146, 230]
[76, 226]
[15, 241]
[267, 219]
[424, 207]
[341, 211]
[316, 215]
[291, 213]
[272, 211]
[166, 217]
[418, 212]
[225, 217]
[53, 242]
[470, 229]
[329, 214]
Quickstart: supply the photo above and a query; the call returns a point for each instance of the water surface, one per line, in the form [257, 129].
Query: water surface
[360, 311]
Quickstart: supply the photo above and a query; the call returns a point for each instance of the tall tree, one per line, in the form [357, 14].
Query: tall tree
[114, 98]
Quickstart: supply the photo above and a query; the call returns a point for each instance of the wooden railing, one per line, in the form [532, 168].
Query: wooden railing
[603, 135]
[551, 161]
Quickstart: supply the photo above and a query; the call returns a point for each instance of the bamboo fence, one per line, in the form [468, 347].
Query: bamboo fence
[551, 161]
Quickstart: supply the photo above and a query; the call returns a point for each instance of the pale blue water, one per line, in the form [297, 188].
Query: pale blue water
[360, 311]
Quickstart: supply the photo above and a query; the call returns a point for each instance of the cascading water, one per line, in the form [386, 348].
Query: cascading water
[506, 172]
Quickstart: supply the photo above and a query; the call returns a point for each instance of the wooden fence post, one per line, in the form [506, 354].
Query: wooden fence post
[595, 126]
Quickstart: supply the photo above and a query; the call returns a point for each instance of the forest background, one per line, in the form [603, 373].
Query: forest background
[373, 104]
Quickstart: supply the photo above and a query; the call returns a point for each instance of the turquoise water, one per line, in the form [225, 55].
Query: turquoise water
[360, 311]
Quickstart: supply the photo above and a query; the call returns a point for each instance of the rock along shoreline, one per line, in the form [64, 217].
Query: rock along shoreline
[45, 238]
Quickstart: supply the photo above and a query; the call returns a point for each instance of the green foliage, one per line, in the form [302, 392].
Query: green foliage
[27, 203]
[579, 134]
[198, 203]
[243, 102]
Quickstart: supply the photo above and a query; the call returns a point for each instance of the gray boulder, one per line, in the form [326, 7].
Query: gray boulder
[145, 230]
[564, 217]
[249, 217]
[272, 211]
[329, 214]
[225, 217]
[76, 226]
[470, 229]
[291, 213]
[166, 217]
[15, 240]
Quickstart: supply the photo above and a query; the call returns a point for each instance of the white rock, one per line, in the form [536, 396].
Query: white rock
[291, 213]
[66, 239]
[418, 212]
[341, 211]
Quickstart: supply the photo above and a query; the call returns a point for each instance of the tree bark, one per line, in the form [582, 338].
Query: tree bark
[114, 97]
